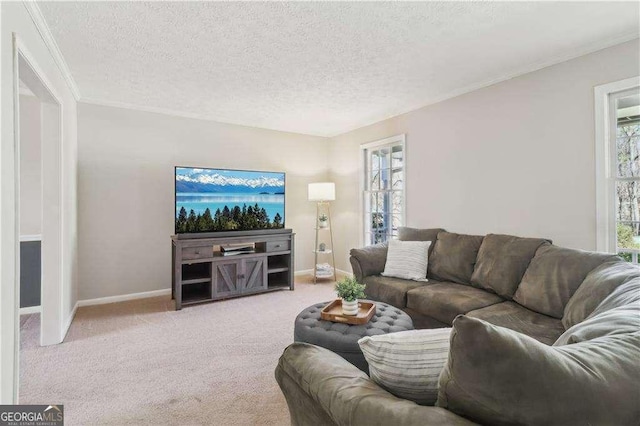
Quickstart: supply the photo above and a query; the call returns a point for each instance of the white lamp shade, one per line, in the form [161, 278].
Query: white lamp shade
[322, 191]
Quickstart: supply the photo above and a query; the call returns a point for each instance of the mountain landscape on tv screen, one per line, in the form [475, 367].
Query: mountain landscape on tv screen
[226, 200]
[199, 180]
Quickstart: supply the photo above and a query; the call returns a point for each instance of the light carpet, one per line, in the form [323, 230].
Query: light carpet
[142, 363]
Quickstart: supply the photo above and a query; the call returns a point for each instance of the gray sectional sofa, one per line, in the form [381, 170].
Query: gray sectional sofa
[541, 335]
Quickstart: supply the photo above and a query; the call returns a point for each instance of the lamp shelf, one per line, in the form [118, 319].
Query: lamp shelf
[323, 251]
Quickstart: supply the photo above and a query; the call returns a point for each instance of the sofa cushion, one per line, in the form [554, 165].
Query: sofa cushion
[626, 294]
[502, 261]
[445, 301]
[598, 284]
[553, 275]
[515, 317]
[454, 257]
[408, 363]
[418, 234]
[498, 376]
[407, 260]
[620, 320]
[390, 290]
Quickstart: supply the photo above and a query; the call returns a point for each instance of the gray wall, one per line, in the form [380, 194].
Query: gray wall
[517, 157]
[126, 189]
[30, 166]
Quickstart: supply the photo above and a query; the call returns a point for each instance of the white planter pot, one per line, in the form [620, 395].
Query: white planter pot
[323, 224]
[350, 308]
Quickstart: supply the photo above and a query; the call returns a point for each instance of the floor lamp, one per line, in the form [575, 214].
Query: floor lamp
[322, 193]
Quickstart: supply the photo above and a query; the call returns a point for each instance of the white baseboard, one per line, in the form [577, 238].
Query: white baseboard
[31, 310]
[124, 297]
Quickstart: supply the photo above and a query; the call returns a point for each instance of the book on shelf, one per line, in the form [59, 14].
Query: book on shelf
[237, 248]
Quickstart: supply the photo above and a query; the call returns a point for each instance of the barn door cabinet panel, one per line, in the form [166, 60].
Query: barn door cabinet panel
[201, 273]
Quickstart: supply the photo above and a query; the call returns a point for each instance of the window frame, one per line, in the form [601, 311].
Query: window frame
[606, 162]
[365, 149]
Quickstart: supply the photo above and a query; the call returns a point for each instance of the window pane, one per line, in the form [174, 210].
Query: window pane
[625, 256]
[628, 147]
[385, 175]
[397, 157]
[397, 203]
[628, 198]
[374, 180]
[375, 160]
[385, 158]
[397, 222]
[628, 136]
[396, 179]
[628, 235]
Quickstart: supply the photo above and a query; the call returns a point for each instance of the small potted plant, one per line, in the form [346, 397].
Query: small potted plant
[349, 290]
[323, 220]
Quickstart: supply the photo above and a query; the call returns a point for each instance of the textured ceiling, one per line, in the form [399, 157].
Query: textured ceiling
[312, 67]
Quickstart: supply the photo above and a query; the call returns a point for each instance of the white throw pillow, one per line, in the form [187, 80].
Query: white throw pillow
[407, 259]
[408, 363]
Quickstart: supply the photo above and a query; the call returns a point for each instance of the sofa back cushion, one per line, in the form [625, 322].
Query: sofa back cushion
[553, 275]
[598, 284]
[502, 261]
[626, 294]
[418, 234]
[498, 376]
[454, 257]
[620, 320]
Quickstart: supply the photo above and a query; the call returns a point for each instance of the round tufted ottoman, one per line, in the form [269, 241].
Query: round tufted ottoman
[343, 338]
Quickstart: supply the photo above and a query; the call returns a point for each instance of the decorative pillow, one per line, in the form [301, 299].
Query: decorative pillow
[454, 257]
[408, 363]
[595, 288]
[501, 377]
[502, 261]
[621, 320]
[553, 275]
[407, 259]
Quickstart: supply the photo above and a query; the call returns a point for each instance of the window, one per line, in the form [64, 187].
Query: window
[618, 163]
[383, 189]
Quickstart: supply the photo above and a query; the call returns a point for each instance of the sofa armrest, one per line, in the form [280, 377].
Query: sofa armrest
[336, 390]
[368, 260]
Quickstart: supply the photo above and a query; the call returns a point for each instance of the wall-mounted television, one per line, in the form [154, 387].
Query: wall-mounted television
[224, 200]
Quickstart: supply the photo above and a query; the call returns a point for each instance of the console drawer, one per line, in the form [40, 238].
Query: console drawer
[280, 245]
[204, 252]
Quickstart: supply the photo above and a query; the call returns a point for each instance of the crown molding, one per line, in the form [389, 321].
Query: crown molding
[41, 24]
[184, 114]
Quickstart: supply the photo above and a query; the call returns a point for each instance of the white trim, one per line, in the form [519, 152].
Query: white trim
[28, 238]
[400, 139]
[605, 220]
[124, 297]
[67, 324]
[302, 272]
[41, 24]
[526, 69]
[30, 310]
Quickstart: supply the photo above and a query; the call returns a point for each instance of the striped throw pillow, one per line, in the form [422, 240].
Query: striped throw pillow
[408, 363]
[407, 259]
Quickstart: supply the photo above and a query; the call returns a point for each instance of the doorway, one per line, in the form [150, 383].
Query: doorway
[38, 147]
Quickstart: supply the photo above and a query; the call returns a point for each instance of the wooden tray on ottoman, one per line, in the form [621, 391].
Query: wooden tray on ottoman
[333, 312]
